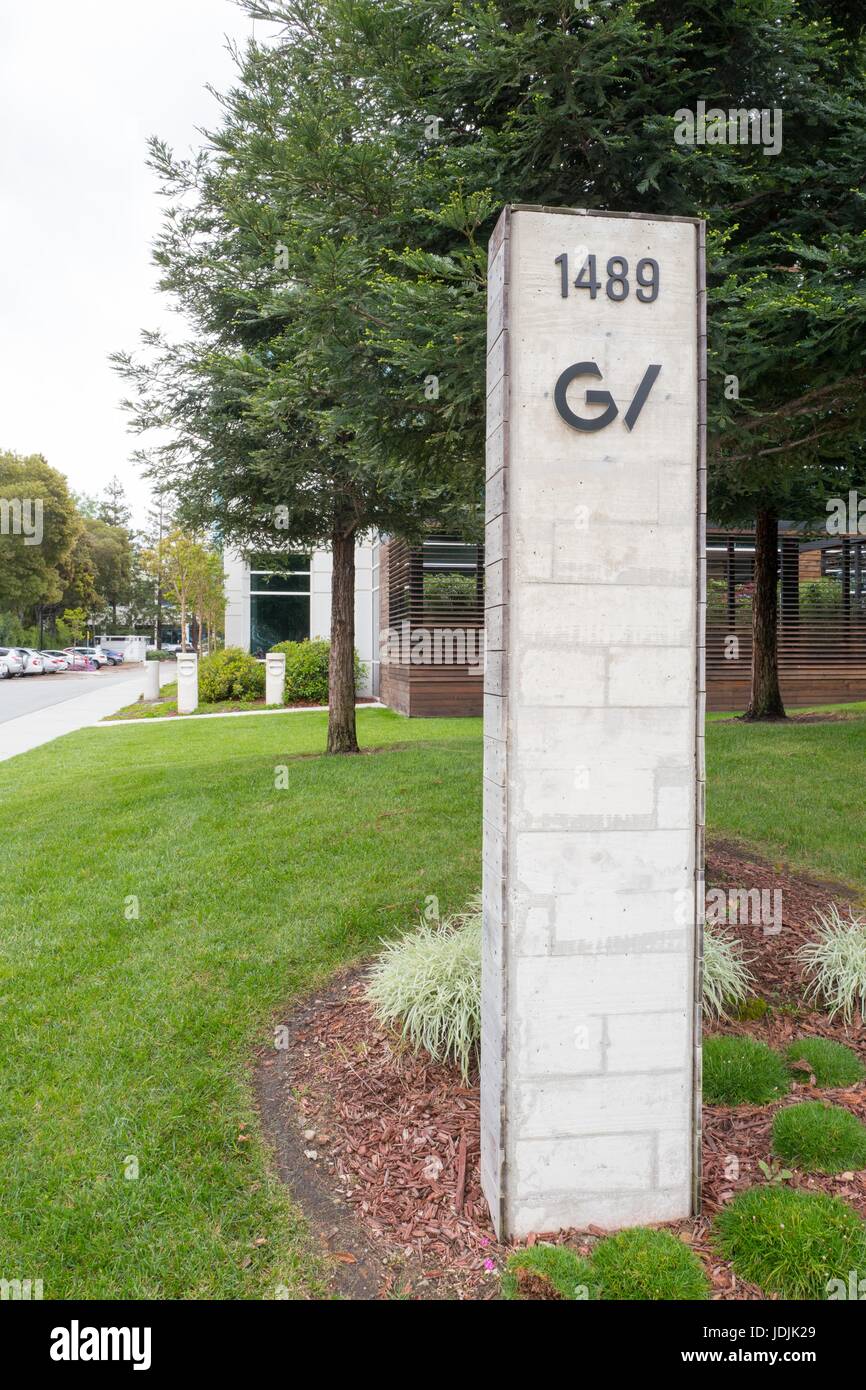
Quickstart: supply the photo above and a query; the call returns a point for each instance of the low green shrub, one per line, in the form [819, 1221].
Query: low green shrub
[157, 654]
[307, 670]
[836, 963]
[640, 1264]
[790, 1242]
[829, 1062]
[231, 674]
[738, 1071]
[819, 1138]
[428, 983]
[548, 1272]
[726, 977]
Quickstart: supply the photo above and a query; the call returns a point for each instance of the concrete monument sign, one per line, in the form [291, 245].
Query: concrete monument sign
[593, 793]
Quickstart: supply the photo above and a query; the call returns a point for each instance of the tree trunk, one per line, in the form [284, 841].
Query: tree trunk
[766, 697]
[342, 737]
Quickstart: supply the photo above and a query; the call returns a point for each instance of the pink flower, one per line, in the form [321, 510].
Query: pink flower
[489, 1265]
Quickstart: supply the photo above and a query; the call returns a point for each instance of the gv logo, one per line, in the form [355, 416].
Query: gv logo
[598, 422]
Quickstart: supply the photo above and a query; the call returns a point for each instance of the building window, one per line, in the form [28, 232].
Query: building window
[279, 600]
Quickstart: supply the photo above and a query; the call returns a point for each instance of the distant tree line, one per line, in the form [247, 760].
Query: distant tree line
[72, 565]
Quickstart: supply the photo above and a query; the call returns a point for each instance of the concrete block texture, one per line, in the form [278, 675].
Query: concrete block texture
[593, 762]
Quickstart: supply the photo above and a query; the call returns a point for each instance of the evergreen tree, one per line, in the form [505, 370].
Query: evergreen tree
[471, 106]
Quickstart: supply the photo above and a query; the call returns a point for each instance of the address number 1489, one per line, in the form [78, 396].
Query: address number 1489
[617, 285]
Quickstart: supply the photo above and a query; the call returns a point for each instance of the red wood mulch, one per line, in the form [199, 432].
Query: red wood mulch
[398, 1136]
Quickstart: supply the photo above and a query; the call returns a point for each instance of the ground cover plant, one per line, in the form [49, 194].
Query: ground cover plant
[727, 979]
[836, 964]
[820, 1138]
[790, 1242]
[152, 943]
[739, 1071]
[428, 985]
[634, 1265]
[548, 1272]
[831, 1063]
[645, 1264]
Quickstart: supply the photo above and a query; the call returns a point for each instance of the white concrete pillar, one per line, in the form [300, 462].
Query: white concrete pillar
[593, 720]
[275, 678]
[151, 680]
[187, 682]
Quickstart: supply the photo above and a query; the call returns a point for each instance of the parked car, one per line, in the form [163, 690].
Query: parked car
[55, 662]
[14, 664]
[78, 661]
[114, 658]
[33, 665]
[92, 652]
[4, 670]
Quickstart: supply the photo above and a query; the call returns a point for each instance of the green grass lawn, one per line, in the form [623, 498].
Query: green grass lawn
[134, 1037]
[795, 792]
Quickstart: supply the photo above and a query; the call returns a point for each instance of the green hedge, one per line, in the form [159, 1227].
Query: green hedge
[231, 674]
[307, 670]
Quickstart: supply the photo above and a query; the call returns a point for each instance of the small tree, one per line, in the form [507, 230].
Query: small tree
[208, 595]
[179, 560]
[268, 248]
[73, 621]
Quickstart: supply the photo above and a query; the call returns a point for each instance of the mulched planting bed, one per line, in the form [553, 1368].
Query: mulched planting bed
[381, 1147]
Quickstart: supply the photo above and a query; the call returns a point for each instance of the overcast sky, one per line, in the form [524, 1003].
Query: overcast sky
[83, 83]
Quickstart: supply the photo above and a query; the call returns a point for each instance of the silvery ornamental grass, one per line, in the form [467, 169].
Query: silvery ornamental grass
[836, 963]
[428, 984]
[727, 979]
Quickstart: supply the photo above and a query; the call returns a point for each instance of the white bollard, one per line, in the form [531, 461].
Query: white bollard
[187, 682]
[275, 678]
[151, 680]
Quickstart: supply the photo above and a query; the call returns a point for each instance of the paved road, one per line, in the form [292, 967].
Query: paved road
[26, 694]
[38, 709]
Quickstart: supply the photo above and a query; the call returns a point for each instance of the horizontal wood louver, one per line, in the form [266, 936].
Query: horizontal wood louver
[822, 619]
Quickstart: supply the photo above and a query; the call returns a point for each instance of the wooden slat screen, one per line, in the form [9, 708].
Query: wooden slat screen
[822, 617]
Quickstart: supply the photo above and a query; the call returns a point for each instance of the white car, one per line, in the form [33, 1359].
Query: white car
[4, 669]
[14, 662]
[94, 653]
[55, 662]
[33, 663]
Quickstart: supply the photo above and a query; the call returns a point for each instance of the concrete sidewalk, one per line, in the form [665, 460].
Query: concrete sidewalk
[42, 725]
